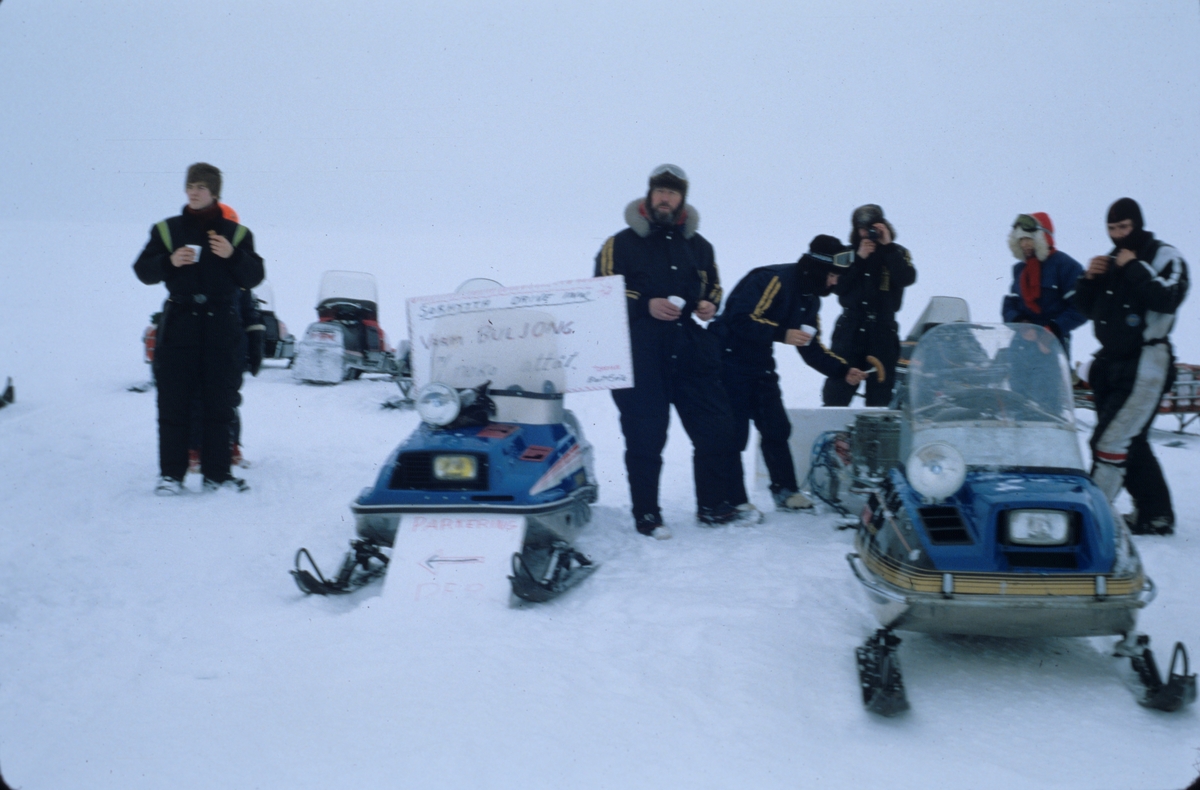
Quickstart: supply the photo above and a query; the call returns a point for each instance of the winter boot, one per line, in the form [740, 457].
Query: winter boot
[789, 501]
[230, 483]
[651, 525]
[743, 515]
[1159, 525]
[168, 486]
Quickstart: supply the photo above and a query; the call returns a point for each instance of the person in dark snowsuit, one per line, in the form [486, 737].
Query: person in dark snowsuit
[670, 275]
[202, 334]
[871, 294]
[1131, 295]
[1043, 287]
[774, 304]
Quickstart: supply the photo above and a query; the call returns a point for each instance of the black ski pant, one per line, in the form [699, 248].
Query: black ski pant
[704, 411]
[855, 337]
[187, 374]
[755, 395]
[1127, 395]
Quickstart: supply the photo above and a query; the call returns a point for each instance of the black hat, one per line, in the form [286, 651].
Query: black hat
[830, 252]
[865, 216]
[1126, 208]
[204, 173]
[669, 177]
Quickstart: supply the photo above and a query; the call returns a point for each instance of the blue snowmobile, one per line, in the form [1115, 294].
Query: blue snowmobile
[980, 516]
[494, 439]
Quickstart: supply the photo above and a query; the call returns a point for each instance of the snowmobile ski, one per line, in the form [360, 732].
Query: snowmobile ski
[1177, 690]
[540, 574]
[363, 564]
[879, 674]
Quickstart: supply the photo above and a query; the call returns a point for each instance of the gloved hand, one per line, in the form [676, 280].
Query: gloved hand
[255, 340]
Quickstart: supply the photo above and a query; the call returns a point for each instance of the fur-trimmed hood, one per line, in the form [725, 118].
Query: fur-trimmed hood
[636, 217]
[1043, 238]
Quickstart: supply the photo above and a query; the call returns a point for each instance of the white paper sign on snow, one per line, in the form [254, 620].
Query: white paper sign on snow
[441, 559]
[570, 336]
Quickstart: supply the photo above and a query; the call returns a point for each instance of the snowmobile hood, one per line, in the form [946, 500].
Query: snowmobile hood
[510, 466]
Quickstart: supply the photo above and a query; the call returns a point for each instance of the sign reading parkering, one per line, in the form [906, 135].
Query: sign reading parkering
[570, 336]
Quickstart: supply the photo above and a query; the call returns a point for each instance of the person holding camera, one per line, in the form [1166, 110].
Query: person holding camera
[1043, 286]
[870, 292]
[203, 259]
[1131, 295]
[778, 304]
[670, 275]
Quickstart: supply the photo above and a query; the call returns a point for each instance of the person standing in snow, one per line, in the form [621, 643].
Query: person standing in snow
[778, 304]
[202, 335]
[871, 294]
[1043, 286]
[670, 275]
[1131, 295]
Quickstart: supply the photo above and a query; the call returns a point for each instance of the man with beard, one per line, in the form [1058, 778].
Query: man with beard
[870, 293]
[203, 259]
[778, 304]
[670, 275]
[1132, 295]
[1044, 278]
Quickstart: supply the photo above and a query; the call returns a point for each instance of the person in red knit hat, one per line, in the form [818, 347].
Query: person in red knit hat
[1043, 286]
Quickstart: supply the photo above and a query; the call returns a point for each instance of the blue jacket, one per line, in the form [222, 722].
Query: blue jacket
[1059, 314]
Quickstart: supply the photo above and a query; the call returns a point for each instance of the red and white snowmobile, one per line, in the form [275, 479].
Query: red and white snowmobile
[346, 341]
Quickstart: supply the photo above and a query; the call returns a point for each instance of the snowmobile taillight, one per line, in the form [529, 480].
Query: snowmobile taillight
[1039, 527]
[455, 467]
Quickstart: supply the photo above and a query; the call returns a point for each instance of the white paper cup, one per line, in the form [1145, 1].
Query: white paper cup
[678, 301]
[811, 331]
[196, 249]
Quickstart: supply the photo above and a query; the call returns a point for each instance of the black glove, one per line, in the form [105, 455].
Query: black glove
[255, 340]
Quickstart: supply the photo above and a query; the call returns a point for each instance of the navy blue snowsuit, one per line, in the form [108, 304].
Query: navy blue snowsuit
[764, 305]
[674, 362]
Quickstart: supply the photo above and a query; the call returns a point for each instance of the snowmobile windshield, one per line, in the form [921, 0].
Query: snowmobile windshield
[348, 286]
[1000, 393]
[990, 373]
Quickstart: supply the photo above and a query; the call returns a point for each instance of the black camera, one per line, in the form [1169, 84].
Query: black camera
[873, 233]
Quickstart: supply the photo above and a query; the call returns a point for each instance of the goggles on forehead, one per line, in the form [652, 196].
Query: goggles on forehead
[674, 170]
[841, 260]
[1027, 224]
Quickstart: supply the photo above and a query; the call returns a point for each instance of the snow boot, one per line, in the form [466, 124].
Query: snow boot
[168, 486]
[230, 483]
[1159, 525]
[743, 515]
[651, 525]
[789, 501]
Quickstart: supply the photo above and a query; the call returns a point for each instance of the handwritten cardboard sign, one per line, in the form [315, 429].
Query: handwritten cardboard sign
[570, 336]
[453, 559]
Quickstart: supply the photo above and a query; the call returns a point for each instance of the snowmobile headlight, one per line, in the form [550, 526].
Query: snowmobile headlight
[1039, 527]
[438, 404]
[455, 467]
[936, 470]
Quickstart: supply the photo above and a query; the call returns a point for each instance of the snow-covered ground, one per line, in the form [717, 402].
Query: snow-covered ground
[160, 643]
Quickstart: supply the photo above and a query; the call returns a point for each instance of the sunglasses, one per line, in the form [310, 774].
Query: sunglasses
[1027, 224]
[674, 170]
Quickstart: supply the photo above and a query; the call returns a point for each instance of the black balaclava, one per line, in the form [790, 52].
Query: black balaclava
[1128, 208]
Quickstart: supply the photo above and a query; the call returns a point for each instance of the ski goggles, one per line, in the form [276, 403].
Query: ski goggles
[841, 260]
[674, 170]
[1027, 223]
